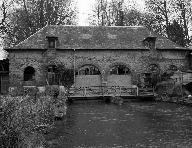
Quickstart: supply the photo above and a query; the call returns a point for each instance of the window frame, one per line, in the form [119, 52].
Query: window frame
[52, 42]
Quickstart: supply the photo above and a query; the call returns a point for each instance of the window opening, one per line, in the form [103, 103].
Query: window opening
[119, 70]
[88, 70]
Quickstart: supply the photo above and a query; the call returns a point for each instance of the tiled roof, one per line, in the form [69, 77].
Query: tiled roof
[95, 37]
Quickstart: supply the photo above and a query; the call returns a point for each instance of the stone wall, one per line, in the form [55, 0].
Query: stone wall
[136, 60]
[19, 60]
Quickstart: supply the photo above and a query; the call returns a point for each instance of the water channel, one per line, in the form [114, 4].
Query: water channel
[132, 125]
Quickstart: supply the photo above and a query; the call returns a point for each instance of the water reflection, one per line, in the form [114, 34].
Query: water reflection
[134, 124]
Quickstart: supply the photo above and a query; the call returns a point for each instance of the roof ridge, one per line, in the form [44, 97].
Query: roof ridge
[99, 26]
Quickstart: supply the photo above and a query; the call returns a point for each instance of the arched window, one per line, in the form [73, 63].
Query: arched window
[88, 70]
[119, 70]
[29, 73]
[153, 68]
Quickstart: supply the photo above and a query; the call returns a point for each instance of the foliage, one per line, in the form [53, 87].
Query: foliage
[183, 10]
[176, 33]
[20, 118]
[169, 13]
[134, 17]
[166, 75]
[66, 75]
[68, 78]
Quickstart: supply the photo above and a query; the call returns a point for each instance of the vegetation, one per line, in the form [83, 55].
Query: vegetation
[25, 118]
[21, 118]
[60, 75]
[66, 75]
[172, 13]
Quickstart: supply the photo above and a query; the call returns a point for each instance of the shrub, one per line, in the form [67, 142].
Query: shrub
[52, 91]
[20, 118]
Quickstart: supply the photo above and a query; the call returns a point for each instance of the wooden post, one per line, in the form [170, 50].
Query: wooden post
[182, 84]
[1, 84]
[102, 90]
[85, 91]
[119, 90]
[74, 67]
[137, 91]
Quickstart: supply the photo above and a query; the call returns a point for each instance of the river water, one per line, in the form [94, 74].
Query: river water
[132, 125]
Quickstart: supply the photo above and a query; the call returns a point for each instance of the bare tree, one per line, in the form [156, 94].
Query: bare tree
[108, 13]
[120, 13]
[162, 11]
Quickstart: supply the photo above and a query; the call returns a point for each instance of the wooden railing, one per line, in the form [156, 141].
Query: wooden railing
[109, 91]
[146, 91]
[120, 91]
[86, 91]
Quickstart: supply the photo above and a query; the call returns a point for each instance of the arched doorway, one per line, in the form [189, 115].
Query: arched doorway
[119, 75]
[88, 75]
[29, 74]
